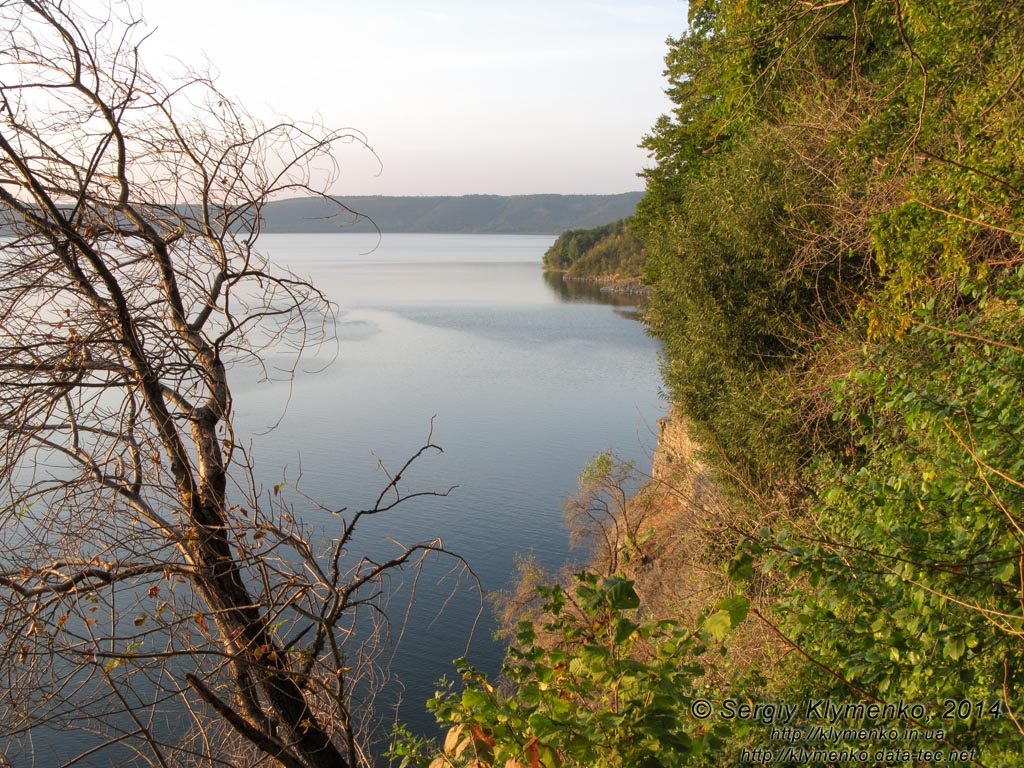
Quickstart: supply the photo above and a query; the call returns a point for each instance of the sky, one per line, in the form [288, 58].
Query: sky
[454, 96]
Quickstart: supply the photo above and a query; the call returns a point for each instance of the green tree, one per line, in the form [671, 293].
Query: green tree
[611, 251]
[834, 235]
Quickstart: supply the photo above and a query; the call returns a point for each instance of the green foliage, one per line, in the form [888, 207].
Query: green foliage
[835, 235]
[915, 582]
[819, 160]
[407, 749]
[609, 251]
[745, 259]
[727, 616]
[593, 685]
[602, 469]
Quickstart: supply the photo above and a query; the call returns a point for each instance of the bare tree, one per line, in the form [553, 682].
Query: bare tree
[140, 563]
[604, 516]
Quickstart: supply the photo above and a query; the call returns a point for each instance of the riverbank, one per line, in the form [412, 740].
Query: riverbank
[627, 286]
[682, 568]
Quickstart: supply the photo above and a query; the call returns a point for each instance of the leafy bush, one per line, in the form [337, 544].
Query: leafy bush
[595, 685]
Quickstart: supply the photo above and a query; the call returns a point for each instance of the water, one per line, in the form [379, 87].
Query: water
[526, 380]
[523, 380]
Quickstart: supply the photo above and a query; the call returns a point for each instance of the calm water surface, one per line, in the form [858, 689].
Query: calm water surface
[525, 382]
[525, 379]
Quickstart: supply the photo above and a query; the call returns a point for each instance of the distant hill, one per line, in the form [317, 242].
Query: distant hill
[477, 214]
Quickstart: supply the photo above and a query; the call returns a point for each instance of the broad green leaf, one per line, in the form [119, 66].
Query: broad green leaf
[621, 594]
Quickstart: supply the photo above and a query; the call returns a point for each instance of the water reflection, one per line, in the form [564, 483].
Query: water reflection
[591, 292]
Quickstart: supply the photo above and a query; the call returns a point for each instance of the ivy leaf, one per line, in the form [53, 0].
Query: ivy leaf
[624, 629]
[1006, 572]
[738, 607]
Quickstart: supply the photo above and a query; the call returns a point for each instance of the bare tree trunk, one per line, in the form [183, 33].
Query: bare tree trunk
[128, 277]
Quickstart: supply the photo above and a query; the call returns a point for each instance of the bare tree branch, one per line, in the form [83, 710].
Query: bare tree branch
[140, 568]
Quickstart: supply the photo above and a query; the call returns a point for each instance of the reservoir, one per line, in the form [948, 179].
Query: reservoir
[521, 378]
[525, 379]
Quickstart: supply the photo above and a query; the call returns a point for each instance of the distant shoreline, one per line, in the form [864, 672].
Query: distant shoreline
[609, 284]
[540, 214]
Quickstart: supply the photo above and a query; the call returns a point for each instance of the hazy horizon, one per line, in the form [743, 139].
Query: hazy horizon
[455, 98]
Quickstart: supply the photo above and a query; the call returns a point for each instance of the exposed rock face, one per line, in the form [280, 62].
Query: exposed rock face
[677, 462]
[696, 534]
[676, 449]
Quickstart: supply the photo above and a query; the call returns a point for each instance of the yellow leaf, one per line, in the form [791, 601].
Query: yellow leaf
[463, 746]
[452, 739]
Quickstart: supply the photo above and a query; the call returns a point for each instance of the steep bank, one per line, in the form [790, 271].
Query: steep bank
[835, 244]
[684, 570]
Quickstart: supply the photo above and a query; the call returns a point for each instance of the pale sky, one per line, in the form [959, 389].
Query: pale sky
[455, 96]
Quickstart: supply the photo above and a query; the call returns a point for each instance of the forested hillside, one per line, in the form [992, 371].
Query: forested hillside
[479, 214]
[834, 223]
[610, 251]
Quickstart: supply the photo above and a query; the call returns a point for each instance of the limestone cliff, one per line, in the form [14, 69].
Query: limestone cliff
[696, 532]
